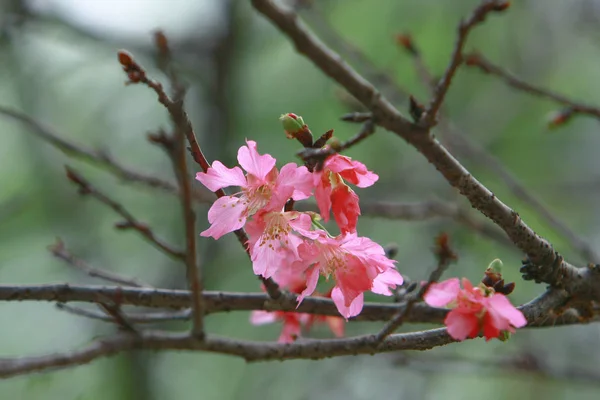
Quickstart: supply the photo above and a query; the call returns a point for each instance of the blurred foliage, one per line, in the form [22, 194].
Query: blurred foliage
[242, 75]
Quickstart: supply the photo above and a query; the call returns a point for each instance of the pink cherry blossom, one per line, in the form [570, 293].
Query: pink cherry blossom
[475, 309]
[262, 188]
[333, 194]
[354, 262]
[273, 241]
[292, 322]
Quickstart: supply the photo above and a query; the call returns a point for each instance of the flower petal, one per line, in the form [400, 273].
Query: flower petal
[347, 311]
[298, 178]
[225, 215]
[440, 294]
[254, 163]
[344, 204]
[312, 278]
[499, 304]
[219, 176]
[323, 197]
[461, 325]
[386, 280]
[262, 317]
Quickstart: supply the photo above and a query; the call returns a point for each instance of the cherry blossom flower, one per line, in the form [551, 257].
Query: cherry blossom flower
[332, 193]
[294, 323]
[475, 309]
[356, 264]
[273, 241]
[262, 188]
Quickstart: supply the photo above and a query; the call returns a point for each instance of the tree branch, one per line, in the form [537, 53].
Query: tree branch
[456, 59]
[249, 350]
[85, 188]
[60, 251]
[182, 123]
[96, 157]
[486, 66]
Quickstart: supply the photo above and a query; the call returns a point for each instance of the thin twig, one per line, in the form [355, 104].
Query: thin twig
[97, 158]
[117, 316]
[464, 28]
[176, 110]
[575, 107]
[60, 251]
[175, 148]
[138, 317]
[85, 188]
[445, 256]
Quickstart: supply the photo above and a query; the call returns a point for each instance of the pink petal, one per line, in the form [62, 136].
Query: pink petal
[344, 204]
[353, 280]
[499, 304]
[340, 301]
[312, 278]
[219, 177]
[353, 171]
[254, 163]
[268, 258]
[336, 325]
[291, 330]
[461, 325]
[262, 317]
[386, 280]
[323, 197]
[440, 294]
[298, 178]
[225, 215]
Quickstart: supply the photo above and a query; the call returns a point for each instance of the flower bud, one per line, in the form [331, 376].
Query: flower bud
[292, 124]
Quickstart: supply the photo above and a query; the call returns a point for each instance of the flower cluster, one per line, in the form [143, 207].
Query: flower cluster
[475, 310]
[293, 243]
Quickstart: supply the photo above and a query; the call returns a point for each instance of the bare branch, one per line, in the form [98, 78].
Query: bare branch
[456, 59]
[85, 188]
[249, 350]
[575, 107]
[175, 147]
[445, 256]
[216, 302]
[60, 251]
[96, 157]
[138, 317]
[176, 110]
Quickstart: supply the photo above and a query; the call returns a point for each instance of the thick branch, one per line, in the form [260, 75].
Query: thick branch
[249, 350]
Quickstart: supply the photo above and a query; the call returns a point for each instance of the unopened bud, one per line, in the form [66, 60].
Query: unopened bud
[495, 266]
[292, 124]
[559, 118]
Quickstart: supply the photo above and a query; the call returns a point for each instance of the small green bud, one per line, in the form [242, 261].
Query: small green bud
[292, 124]
[495, 266]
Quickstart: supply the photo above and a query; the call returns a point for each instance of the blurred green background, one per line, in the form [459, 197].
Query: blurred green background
[58, 65]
